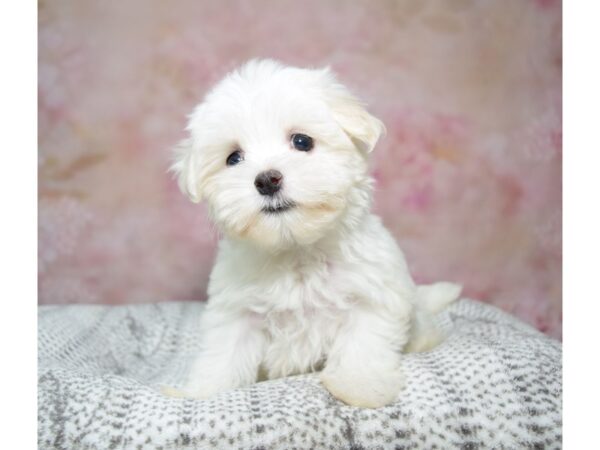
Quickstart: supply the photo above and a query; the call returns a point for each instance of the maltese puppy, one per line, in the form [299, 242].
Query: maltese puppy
[306, 278]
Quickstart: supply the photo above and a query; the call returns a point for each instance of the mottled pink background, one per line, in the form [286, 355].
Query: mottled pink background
[468, 176]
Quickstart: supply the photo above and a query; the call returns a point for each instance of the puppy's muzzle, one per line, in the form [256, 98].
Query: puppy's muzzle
[268, 182]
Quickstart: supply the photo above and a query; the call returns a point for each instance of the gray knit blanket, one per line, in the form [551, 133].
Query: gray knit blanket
[495, 383]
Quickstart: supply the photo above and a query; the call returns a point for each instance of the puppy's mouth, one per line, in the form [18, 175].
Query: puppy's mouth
[279, 207]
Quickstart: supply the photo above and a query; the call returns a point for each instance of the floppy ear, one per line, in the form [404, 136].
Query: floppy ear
[363, 128]
[186, 169]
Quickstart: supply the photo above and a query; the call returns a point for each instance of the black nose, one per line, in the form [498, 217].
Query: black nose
[268, 182]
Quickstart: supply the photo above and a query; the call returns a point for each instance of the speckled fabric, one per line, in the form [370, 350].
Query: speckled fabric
[495, 383]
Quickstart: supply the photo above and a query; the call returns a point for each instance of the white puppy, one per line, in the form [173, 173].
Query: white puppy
[306, 278]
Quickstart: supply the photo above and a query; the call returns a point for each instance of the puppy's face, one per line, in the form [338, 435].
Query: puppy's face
[279, 154]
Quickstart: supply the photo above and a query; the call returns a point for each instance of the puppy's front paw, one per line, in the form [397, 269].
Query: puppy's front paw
[365, 390]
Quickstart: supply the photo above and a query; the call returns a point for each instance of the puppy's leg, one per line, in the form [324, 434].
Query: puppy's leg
[232, 349]
[424, 333]
[363, 367]
[431, 299]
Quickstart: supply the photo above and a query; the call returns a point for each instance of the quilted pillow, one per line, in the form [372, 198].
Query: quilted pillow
[494, 383]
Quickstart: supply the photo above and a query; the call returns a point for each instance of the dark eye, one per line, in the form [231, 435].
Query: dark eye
[302, 142]
[235, 158]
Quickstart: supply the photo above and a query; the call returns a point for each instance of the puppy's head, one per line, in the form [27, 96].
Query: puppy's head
[279, 153]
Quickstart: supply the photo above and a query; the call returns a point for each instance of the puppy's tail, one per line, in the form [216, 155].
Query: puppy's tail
[435, 297]
[431, 299]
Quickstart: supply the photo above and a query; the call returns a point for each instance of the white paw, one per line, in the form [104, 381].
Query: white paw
[365, 390]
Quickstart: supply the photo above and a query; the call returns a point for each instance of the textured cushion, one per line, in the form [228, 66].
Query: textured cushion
[494, 383]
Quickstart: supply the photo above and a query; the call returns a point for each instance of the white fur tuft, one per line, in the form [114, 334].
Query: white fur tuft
[437, 296]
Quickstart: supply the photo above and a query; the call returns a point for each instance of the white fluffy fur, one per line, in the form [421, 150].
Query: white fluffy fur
[322, 286]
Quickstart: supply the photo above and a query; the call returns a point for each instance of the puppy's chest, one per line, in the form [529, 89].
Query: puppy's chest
[302, 310]
[304, 289]
[299, 341]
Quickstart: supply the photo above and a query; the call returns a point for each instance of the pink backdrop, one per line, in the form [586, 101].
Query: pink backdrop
[468, 176]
